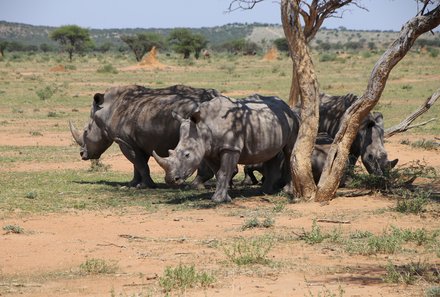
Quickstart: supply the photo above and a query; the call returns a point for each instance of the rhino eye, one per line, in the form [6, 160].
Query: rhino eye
[186, 155]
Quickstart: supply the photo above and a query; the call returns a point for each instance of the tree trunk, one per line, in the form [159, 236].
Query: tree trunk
[294, 90]
[303, 183]
[338, 153]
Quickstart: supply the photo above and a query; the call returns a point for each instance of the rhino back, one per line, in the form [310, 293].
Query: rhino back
[259, 127]
[142, 117]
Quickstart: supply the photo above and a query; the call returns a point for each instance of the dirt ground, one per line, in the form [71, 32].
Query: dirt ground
[44, 261]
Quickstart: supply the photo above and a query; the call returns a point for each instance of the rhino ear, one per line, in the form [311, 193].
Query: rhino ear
[378, 118]
[177, 116]
[195, 116]
[98, 99]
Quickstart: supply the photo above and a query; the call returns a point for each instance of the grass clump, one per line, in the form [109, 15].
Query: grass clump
[250, 251]
[97, 166]
[183, 277]
[97, 266]
[412, 202]
[433, 292]
[45, 93]
[314, 236]
[13, 229]
[107, 68]
[396, 178]
[254, 222]
[425, 144]
[411, 273]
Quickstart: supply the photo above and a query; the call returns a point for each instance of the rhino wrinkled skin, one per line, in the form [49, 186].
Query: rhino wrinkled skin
[226, 132]
[139, 120]
[368, 144]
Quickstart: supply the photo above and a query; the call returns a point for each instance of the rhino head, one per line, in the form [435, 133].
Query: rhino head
[373, 153]
[189, 152]
[93, 140]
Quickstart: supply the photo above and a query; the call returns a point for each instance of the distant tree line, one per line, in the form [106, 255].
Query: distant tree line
[74, 39]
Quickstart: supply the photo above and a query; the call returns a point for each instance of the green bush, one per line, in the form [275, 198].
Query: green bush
[327, 57]
[107, 68]
[250, 251]
[45, 93]
[97, 266]
[183, 277]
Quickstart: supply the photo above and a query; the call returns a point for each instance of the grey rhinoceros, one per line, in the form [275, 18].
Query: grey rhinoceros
[319, 156]
[226, 132]
[368, 144]
[139, 120]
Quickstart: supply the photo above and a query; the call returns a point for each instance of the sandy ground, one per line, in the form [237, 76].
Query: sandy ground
[45, 260]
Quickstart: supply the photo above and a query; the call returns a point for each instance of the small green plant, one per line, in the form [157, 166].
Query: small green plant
[433, 292]
[31, 195]
[250, 251]
[183, 277]
[313, 236]
[107, 68]
[412, 202]
[97, 166]
[327, 57]
[256, 223]
[425, 144]
[45, 93]
[35, 133]
[13, 229]
[97, 266]
[411, 273]
[52, 114]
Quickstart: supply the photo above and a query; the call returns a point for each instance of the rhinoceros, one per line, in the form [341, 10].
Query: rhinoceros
[319, 156]
[226, 132]
[368, 144]
[139, 120]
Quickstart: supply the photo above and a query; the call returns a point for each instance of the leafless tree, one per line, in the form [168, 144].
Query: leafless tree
[313, 13]
[427, 18]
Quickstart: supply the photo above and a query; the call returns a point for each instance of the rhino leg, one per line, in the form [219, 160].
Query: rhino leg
[249, 177]
[204, 173]
[141, 178]
[228, 165]
[137, 178]
[272, 175]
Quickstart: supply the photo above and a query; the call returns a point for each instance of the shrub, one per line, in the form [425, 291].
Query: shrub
[107, 68]
[412, 202]
[183, 277]
[315, 235]
[45, 93]
[13, 229]
[327, 57]
[97, 266]
[250, 251]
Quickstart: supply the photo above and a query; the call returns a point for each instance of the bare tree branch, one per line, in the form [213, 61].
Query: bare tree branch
[405, 124]
[338, 153]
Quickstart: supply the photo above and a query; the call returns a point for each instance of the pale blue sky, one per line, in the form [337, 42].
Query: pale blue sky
[382, 15]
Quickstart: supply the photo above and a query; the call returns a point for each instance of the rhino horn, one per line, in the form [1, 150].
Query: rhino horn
[163, 162]
[76, 134]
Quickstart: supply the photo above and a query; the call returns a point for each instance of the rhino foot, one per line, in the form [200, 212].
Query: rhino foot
[220, 198]
[144, 186]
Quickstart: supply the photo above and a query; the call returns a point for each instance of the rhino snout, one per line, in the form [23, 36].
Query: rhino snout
[83, 154]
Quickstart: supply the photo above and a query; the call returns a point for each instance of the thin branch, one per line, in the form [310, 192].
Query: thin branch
[405, 124]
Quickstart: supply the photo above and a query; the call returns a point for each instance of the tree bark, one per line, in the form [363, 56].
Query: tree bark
[338, 153]
[301, 168]
[294, 90]
[405, 124]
